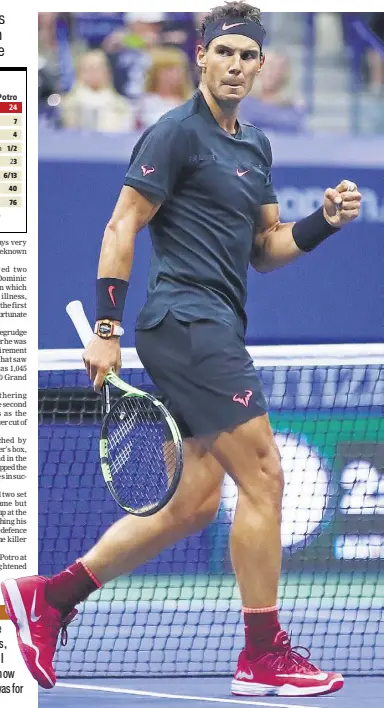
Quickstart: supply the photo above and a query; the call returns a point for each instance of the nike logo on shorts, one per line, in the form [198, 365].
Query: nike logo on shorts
[243, 399]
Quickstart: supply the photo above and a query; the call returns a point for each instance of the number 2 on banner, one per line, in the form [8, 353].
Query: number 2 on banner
[364, 489]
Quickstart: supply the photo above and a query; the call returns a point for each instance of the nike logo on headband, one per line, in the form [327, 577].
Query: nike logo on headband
[237, 24]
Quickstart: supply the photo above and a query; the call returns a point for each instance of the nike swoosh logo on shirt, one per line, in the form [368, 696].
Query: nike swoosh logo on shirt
[241, 174]
[227, 27]
[33, 609]
[322, 676]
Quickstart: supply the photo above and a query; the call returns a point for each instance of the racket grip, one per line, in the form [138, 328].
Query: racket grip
[76, 312]
[105, 399]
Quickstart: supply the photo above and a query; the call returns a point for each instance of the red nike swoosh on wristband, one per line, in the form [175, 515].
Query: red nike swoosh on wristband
[111, 295]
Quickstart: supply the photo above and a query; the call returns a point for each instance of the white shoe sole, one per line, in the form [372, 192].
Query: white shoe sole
[245, 688]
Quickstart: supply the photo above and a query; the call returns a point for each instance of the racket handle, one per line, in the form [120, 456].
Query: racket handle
[105, 399]
[76, 312]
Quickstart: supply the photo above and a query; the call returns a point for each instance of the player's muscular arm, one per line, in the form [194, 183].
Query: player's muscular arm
[273, 245]
[132, 212]
[277, 244]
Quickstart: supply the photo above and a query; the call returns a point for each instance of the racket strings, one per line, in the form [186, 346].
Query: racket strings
[142, 454]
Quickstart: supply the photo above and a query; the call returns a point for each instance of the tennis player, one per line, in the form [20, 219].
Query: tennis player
[202, 181]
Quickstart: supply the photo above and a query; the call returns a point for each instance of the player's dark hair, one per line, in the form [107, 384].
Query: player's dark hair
[232, 8]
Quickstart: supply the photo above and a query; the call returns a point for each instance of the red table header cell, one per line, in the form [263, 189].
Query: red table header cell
[10, 107]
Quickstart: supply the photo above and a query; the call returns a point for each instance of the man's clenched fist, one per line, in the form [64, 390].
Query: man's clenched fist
[342, 204]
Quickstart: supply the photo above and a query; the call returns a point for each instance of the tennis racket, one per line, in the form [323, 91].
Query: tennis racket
[141, 449]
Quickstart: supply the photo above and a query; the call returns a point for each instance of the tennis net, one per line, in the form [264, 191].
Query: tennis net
[180, 614]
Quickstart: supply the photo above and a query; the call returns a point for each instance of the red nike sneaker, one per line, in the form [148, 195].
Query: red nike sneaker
[37, 625]
[282, 672]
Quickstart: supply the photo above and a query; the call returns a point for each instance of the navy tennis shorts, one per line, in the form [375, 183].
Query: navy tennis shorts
[204, 373]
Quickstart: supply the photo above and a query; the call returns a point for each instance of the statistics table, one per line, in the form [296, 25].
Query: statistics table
[13, 152]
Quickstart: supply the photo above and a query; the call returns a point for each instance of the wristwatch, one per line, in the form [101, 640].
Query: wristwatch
[107, 329]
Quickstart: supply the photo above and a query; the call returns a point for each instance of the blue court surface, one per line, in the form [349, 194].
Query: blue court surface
[176, 693]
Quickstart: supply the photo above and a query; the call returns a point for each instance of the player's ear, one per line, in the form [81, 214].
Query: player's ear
[262, 60]
[201, 57]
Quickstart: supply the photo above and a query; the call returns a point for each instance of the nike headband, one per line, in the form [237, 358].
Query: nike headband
[234, 25]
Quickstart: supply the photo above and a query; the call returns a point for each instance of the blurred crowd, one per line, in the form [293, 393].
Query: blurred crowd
[114, 72]
[375, 59]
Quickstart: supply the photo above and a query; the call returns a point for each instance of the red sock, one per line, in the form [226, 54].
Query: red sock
[261, 627]
[71, 586]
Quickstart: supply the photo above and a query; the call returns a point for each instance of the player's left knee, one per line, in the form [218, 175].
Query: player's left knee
[265, 484]
[272, 472]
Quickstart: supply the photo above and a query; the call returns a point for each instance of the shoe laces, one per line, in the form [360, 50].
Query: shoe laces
[65, 621]
[59, 625]
[295, 659]
[290, 658]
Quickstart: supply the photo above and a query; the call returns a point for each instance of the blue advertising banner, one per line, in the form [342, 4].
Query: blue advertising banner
[332, 295]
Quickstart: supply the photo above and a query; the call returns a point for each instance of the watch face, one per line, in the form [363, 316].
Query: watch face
[104, 329]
